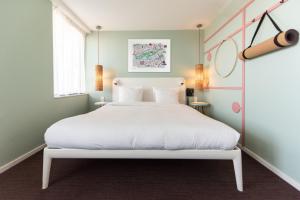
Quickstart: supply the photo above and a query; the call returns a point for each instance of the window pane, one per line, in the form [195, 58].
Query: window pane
[68, 57]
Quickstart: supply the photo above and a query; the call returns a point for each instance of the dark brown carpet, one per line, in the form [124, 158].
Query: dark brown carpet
[142, 180]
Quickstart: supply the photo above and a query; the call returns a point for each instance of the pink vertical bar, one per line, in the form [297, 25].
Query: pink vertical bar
[244, 80]
[243, 29]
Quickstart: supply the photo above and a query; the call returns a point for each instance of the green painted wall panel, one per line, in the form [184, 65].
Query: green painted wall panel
[27, 105]
[114, 54]
[272, 85]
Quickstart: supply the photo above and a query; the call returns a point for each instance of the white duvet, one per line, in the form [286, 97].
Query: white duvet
[141, 126]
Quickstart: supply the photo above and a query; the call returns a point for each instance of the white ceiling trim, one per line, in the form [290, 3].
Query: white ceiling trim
[65, 10]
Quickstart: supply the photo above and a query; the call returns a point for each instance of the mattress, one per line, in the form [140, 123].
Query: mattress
[141, 126]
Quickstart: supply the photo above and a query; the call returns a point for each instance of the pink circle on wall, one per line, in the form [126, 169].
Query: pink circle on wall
[209, 56]
[236, 107]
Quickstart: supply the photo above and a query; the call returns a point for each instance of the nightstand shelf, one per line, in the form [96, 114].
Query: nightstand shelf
[199, 105]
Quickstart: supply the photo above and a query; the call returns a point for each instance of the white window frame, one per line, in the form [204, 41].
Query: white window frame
[65, 59]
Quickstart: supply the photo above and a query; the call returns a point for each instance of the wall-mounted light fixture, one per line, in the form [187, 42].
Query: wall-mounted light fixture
[98, 68]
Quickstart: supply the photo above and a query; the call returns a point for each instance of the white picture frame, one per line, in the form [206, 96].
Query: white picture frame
[149, 55]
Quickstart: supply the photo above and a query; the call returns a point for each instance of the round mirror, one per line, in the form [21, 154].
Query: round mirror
[226, 58]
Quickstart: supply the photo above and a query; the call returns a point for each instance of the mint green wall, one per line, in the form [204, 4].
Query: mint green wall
[27, 106]
[114, 53]
[272, 85]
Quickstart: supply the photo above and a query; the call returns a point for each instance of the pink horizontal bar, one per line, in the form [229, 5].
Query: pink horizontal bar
[229, 36]
[229, 20]
[223, 88]
[271, 9]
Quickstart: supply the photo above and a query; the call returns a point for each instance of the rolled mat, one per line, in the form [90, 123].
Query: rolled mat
[281, 40]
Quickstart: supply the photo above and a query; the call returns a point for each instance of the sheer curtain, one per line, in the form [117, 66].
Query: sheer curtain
[68, 57]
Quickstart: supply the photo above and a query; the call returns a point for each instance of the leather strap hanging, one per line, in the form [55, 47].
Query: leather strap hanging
[257, 29]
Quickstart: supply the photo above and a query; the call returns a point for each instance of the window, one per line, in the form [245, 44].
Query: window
[68, 57]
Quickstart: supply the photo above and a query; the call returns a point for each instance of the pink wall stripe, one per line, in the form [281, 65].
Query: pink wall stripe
[223, 88]
[228, 37]
[243, 80]
[229, 20]
[271, 9]
[243, 28]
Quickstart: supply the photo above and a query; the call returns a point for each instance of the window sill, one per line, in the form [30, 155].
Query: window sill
[70, 95]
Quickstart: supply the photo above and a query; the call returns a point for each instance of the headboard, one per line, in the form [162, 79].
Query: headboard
[147, 84]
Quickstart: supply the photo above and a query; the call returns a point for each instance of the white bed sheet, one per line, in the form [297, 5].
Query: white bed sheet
[141, 126]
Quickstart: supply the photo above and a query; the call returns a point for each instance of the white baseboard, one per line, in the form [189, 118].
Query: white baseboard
[272, 168]
[21, 158]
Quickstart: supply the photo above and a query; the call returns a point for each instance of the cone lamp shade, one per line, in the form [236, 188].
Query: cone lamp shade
[99, 77]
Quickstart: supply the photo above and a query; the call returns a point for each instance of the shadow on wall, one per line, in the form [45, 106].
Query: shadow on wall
[270, 149]
[189, 76]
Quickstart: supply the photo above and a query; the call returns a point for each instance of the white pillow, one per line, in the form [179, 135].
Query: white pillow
[166, 95]
[127, 94]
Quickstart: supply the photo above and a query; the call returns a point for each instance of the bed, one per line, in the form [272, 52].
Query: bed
[143, 130]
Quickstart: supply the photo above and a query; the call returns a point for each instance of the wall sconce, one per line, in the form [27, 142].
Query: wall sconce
[199, 73]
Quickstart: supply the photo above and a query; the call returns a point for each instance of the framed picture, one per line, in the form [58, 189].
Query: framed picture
[149, 55]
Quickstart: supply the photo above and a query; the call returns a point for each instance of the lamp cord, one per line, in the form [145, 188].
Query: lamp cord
[199, 35]
[98, 46]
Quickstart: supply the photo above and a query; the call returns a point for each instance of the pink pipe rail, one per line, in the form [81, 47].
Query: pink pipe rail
[243, 80]
[228, 37]
[271, 9]
[242, 29]
[229, 20]
[223, 88]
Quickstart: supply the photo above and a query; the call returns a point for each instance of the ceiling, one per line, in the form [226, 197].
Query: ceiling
[146, 14]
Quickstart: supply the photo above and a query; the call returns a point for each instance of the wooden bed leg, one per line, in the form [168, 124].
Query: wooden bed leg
[46, 169]
[237, 163]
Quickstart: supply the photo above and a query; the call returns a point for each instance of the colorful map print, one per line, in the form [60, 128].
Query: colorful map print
[152, 55]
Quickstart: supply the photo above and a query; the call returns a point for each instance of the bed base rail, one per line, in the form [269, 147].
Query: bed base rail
[234, 155]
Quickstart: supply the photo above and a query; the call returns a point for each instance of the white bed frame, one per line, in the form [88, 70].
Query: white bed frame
[234, 155]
